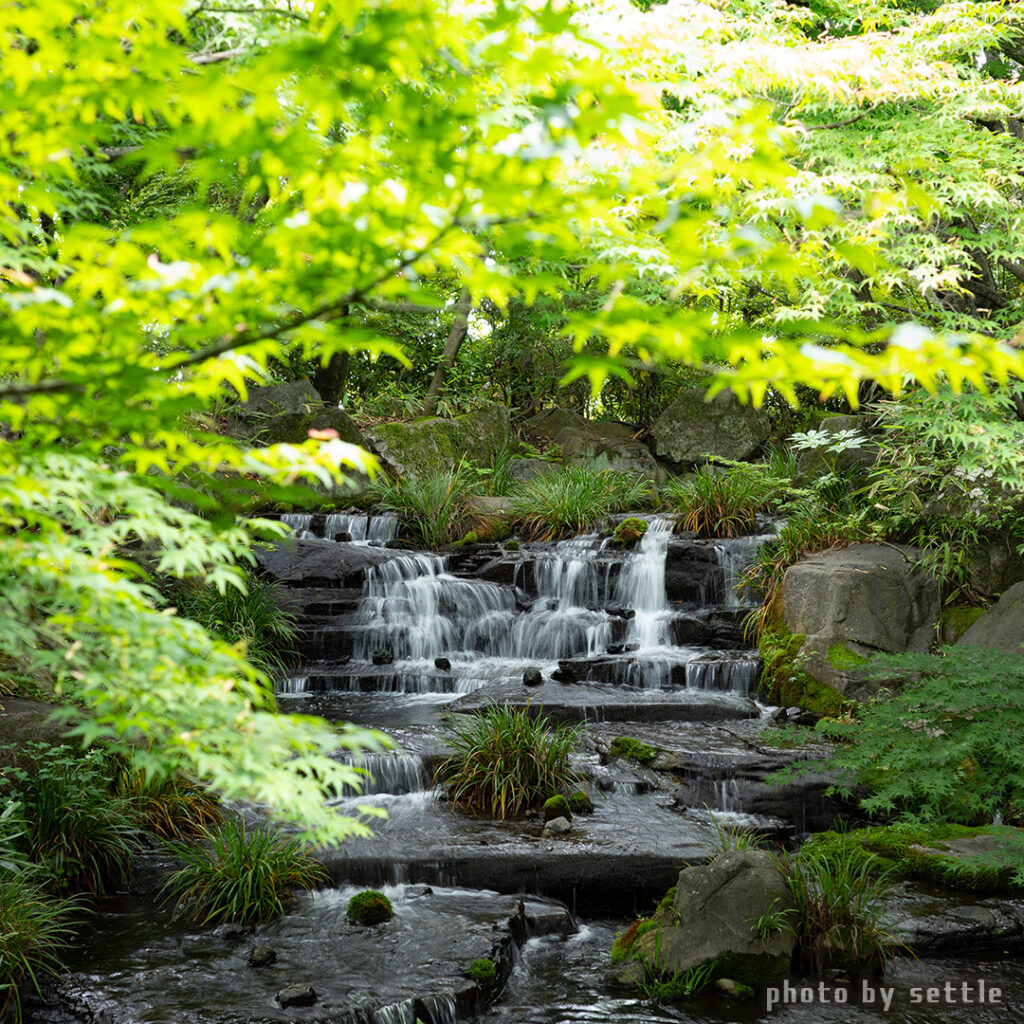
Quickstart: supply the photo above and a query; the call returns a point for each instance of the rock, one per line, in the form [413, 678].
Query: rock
[25, 721]
[851, 604]
[418, 447]
[693, 574]
[564, 675]
[443, 664]
[691, 429]
[551, 422]
[321, 563]
[382, 658]
[414, 892]
[1002, 626]
[622, 613]
[286, 413]
[621, 455]
[231, 932]
[297, 995]
[714, 916]
[580, 802]
[557, 827]
[530, 469]
[261, 955]
[557, 807]
[733, 989]
[812, 462]
[532, 677]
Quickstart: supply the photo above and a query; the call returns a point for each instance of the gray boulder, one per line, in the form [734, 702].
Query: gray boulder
[429, 444]
[691, 429]
[715, 917]
[558, 827]
[286, 413]
[854, 603]
[323, 563]
[995, 566]
[530, 469]
[551, 422]
[607, 451]
[1002, 626]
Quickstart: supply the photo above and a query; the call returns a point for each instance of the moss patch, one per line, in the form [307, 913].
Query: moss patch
[955, 620]
[933, 853]
[482, 971]
[784, 683]
[580, 802]
[624, 942]
[842, 658]
[369, 907]
[557, 807]
[633, 749]
[629, 532]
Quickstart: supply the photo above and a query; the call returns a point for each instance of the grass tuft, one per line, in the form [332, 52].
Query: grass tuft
[433, 508]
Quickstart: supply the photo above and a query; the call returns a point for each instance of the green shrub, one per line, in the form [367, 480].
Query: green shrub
[35, 929]
[432, 507]
[483, 971]
[948, 745]
[504, 761]
[369, 907]
[75, 826]
[239, 873]
[575, 500]
[557, 807]
[252, 618]
[714, 503]
[839, 902]
[631, 749]
[629, 532]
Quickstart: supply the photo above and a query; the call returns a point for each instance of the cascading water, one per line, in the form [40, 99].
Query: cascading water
[361, 527]
[734, 555]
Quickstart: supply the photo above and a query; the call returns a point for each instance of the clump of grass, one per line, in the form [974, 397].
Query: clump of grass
[35, 929]
[839, 902]
[369, 907]
[575, 500]
[504, 761]
[251, 617]
[715, 503]
[433, 507]
[73, 824]
[733, 837]
[169, 806]
[240, 873]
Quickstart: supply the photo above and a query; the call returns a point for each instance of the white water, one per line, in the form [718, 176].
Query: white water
[734, 555]
[362, 527]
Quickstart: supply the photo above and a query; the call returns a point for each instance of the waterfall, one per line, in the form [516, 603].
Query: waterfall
[362, 527]
[641, 586]
[734, 556]
[391, 773]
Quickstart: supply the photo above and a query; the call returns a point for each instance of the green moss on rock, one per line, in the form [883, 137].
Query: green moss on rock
[557, 807]
[369, 907]
[784, 683]
[580, 802]
[629, 532]
[842, 658]
[981, 860]
[482, 971]
[633, 749]
[955, 620]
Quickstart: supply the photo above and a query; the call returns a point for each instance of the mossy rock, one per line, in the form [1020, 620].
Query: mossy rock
[784, 683]
[512, 545]
[557, 807]
[369, 907]
[843, 658]
[974, 859]
[483, 972]
[629, 532]
[624, 942]
[632, 749]
[955, 620]
[580, 802]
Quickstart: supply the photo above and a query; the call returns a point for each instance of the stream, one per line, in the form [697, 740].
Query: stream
[646, 643]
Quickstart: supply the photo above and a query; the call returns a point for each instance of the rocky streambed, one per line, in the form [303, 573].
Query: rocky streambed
[645, 644]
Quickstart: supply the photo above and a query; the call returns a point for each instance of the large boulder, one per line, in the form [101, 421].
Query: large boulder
[853, 603]
[994, 566]
[418, 447]
[731, 911]
[1002, 626]
[549, 423]
[608, 449]
[691, 429]
[286, 413]
[321, 563]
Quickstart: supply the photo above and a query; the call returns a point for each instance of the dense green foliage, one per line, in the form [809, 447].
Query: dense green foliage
[433, 507]
[239, 872]
[946, 745]
[505, 761]
[720, 502]
[369, 907]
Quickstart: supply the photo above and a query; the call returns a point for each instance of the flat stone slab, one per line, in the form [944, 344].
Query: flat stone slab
[628, 852]
[322, 563]
[589, 702]
[139, 967]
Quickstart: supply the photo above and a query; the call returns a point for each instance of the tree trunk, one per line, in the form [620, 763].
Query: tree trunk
[330, 380]
[456, 337]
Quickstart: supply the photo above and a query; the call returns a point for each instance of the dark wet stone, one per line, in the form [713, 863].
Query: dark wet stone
[558, 827]
[383, 657]
[320, 563]
[414, 892]
[231, 932]
[532, 677]
[261, 955]
[619, 612]
[297, 995]
[443, 664]
[564, 675]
